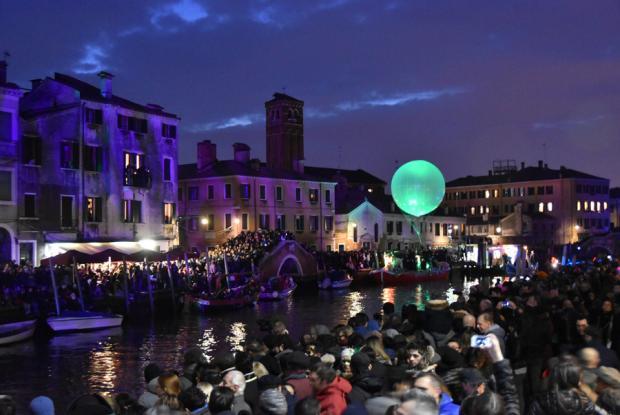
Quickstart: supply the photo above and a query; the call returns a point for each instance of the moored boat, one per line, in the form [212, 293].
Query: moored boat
[83, 321]
[16, 332]
[206, 303]
[335, 280]
[387, 277]
[275, 295]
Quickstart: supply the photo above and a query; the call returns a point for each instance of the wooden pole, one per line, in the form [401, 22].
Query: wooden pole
[148, 286]
[54, 287]
[171, 282]
[226, 272]
[126, 286]
[76, 278]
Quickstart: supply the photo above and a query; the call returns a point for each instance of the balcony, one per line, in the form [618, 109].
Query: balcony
[138, 177]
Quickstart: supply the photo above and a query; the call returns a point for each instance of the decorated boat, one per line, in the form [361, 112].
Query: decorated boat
[206, 303]
[72, 321]
[16, 332]
[335, 280]
[386, 276]
[277, 288]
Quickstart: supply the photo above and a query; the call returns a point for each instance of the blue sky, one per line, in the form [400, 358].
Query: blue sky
[457, 83]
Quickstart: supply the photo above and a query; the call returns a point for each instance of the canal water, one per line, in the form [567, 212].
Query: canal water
[63, 367]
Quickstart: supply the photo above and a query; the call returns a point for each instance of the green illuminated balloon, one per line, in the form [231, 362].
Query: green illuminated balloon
[418, 187]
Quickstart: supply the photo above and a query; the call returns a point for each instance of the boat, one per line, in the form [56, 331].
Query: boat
[335, 280]
[206, 303]
[277, 288]
[388, 277]
[16, 332]
[71, 321]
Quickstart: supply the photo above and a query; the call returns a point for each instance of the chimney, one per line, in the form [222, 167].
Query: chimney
[241, 152]
[106, 84]
[35, 83]
[3, 66]
[206, 154]
[522, 165]
[540, 164]
[490, 172]
[546, 166]
[255, 164]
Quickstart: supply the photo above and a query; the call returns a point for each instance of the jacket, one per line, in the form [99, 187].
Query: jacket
[506, 387]
[500, 333]
[301, 383]
[556, 402]
[149, 397]
[333, 397]
[364, 388]
[447, 406]
[240, 405]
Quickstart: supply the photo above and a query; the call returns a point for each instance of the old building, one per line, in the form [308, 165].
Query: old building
[218, 199]
[10, 242]
[614, 208]
[538, 204]
[94, 168]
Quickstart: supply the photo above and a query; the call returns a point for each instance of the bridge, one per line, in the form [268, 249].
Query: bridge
[288, 257]
[608, 244]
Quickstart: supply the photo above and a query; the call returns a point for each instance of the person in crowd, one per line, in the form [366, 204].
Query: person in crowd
[417, 402]
[364, 384]
[307, 406]
[170, 388]
[433, 385]
[235, 381]
[221, 400]
[194, 400]
[330, 389]
[150, 396]
[42, 405]
[485, 325]
[296, 364]
[272, 402]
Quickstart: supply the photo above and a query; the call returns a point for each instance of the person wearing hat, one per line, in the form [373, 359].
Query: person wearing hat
[296, 364]
[364, 385]
[272, 402]
[151, 395]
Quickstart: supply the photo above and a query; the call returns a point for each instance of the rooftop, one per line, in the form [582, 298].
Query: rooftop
[358, 176]
[223, 168]
[92, 93]
[526, 174]
[279, 96]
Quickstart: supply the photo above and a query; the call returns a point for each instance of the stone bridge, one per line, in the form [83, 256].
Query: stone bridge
[288, 257]
[594, 245]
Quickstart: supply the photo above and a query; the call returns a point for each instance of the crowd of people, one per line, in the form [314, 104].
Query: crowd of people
[524, 346]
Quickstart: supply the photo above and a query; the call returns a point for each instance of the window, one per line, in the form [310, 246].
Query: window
[138, 125]
[69, 155]
[31, 150]
[437, 227]
[6, 186]
[299, 223]
[313, 195]
[549, 206]
[193, 223]
[472, 194]
[313, 223]
[168, 130]
[297, 194]
[399, 228]
[579, 188]
[495, 193]
[278, 193]
[93, 116]
[244, 221]
[481, 194]
[228, 220]
[354, 233]
[262, 192]
[472, 210]
[444, 230]
[389, 227]
[228, 191]
[167, 169]
[211, 223]
[132, 211]
[135, 160]
[530, 191]
[244, 191]
[328, 196]
[281, 222]
[329, 223]
[192, 193]
[93, 158]
[6, 126]
[578, 205]
[169, 212]
[30, 205]
[540, 190]
[430, 227]
[549, 190]
[376, 232]
[487, 194]
[263, 221]
[586, 205]
[210, 192]
[66, 211]
[598, 206]
[94, 209]
[541, 207]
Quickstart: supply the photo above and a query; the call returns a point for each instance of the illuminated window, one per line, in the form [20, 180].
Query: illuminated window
[585, 205]
[598, 206]
[169, 210]
[495, 193]
[93, 209]
[486, 209]
[313, 195]
[604, 205]
[541, 207]
[579, 205]
[473, 210]
[481, 210]
[592, 206]
[487, 194]
[549, 206]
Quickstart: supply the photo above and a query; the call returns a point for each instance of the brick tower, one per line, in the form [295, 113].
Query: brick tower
[285, 133]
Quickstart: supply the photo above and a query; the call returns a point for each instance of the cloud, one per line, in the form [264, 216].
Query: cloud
[237, 121]
[189, 11]
[311, 112]
[265, 15]
[92, 60]
[399, 99]
[564, 124]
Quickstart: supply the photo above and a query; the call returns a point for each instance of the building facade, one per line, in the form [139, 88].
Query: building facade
[614, 208]
[560, 205]
[218, 199]
[93, 168]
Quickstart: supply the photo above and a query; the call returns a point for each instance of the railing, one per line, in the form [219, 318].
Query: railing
[138, 177]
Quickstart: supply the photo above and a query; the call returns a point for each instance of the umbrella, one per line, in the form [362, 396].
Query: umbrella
[66, 258]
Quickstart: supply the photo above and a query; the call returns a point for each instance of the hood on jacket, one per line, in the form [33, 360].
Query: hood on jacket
[153, 386]
[339, 385]
[370, 384]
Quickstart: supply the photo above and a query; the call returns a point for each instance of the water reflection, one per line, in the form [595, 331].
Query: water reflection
[388, 295]
[104, 364]
[353, 303]
[207, 342]
[237, 335]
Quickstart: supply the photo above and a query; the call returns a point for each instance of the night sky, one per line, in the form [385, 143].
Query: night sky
[459, 83]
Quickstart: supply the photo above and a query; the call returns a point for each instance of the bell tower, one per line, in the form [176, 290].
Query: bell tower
[284, 117]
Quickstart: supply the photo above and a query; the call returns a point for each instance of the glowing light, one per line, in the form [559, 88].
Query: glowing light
[487, 194]
[148, 244]
[236, 221]
[604, 205]
[598, 206]
[237, 336]
[577, 227]
[585, 205]
[498, 229]
[418, 187]
[541, 207]
[549, 206]
[204, 221]
[578, 205]
[554, 262]
[369, 190]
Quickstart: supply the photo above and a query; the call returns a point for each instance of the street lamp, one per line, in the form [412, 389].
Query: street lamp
[204, 221]
[498, 230]
[577, 227]
[236, 221]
